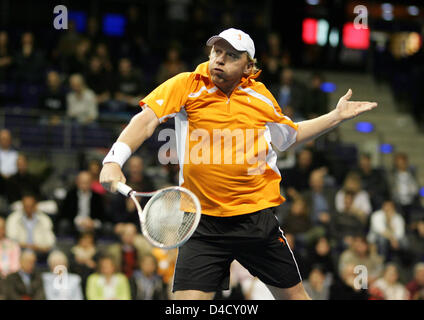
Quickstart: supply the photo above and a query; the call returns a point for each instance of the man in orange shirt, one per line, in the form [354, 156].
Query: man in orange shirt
[237, 184]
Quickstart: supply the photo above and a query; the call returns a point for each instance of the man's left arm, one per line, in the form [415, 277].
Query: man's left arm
[345, 110]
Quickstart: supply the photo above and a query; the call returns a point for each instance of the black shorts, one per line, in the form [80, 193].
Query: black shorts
[255, 240]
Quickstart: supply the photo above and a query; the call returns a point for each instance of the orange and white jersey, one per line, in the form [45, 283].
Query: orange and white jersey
[224, 143]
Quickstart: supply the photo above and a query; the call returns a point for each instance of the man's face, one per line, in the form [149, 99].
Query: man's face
[28, 262]
[29, 204]
[226, 64]
[5, 139]
[84, 181]
[2, 228]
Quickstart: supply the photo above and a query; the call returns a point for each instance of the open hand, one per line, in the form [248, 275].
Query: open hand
[349, 109]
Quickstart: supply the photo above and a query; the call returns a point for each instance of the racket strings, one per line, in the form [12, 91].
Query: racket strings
[170, 216]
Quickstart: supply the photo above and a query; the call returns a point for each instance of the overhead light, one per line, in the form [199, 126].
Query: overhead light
[413, 10]
[364, 127]
[386, 148]
[312, 2]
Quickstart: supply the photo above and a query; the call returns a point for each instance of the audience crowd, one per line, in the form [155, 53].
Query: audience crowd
[85, 243]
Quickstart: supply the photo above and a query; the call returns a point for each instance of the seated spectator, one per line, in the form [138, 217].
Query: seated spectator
[28, 62]
[404, 184]
[290, 93]
[10, 253]
[298, 221]
[345, 288]
[298, 176]
[67, 43]
[23, 181]
[387, 230]
[81, 101]
[172, 66]
[94, 167]
[122, 210]
[318, 284]
[6, 58]
[321, 255]
[102, 51]
[388, 286]
[53, 100]
[107, 284]
[317, 101]
[83, 210]
[127, 253]
[146, 283]
[373, 181]
[320, 198]
[25, 284]
[361, 200]
[360, 253]
[84, 256]
[128, 85]
[8, 156]
[99, 80]
[58, 283]
[31, 228]
[348, 223]
[416, 285]
[415, 240]
[78, 61]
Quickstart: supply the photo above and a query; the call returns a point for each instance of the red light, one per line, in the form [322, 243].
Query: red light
[355, 38]
[309, 31]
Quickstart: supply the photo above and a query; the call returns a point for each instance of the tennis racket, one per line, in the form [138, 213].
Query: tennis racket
[170, 216]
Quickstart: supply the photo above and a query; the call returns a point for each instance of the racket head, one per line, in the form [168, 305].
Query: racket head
[170, 217]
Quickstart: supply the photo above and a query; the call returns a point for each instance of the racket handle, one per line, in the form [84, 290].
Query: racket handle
[123, 189]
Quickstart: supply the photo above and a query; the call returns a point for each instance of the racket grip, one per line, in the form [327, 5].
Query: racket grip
[123, 189]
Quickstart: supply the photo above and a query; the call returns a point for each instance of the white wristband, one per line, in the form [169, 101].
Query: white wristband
[119, 153]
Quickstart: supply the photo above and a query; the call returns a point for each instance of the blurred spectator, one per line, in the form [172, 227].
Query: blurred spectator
[290, 92]
[320, 198]
[361, 253]
[81, 101]
[318, 284]
[344, 288]
[99, 80]
[31, 228]
[84, 255]
[415, 240]
[107, 284]
[387, 230]
[8, 156]
[361, 200]
[25, 284]
[298, 176]
[6, 58]
[373, 181]
[317, 101]
[348, 223]
[128, 85]
[128, 252]
[388, 286]
[53, 100]
[102, 52]
[146, 283]
[122, 210]
[10, 253]
[28, 62]
[272, 61]
[58, 283]
[416, 285]
[83, 210]
[23, 181]
[404, 184]
[94, 167]
[320, 254]
[94, 35]
[68, 42]
[172, 66]
[78, 62]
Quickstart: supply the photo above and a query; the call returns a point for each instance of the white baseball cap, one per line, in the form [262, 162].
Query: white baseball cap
[240, 40]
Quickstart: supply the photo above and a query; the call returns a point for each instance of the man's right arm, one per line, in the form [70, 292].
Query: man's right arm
[140, 128]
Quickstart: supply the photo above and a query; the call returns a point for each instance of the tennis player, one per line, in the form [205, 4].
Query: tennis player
[238, 195]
